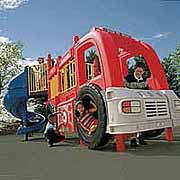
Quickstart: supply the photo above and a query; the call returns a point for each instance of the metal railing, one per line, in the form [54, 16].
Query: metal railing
[68, 77]
[89, 71]
[37, 78]
[54, 86]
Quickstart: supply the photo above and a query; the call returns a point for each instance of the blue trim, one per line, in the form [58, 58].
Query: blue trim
[15, 102]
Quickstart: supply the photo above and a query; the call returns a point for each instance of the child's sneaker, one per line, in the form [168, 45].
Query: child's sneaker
[133, 142]
[141, 140]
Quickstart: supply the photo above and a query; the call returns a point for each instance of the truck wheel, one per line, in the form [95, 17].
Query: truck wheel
[152, 133]
[99, 138]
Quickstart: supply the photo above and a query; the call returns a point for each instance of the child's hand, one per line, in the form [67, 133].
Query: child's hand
[92, 129]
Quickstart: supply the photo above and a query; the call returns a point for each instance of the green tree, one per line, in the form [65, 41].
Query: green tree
[10, 55]
[171, 65]
[38, 105]
[91, 55]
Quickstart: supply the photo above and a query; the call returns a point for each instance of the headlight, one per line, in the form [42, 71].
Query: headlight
[177, 105]
[131, 106]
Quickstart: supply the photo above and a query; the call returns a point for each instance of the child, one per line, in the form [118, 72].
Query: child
[52, 132]
[85, 117]
[137, 81]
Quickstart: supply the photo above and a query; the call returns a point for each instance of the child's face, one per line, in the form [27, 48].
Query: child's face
[139, 72]
[80, 108]
[40, 60]
[52, 119]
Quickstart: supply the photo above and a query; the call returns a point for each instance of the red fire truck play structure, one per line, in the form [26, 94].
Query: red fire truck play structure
[94, 70]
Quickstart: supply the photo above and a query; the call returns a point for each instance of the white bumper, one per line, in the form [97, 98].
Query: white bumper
[157, 110]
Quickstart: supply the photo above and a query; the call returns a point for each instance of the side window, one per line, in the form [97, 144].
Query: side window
[68, 76]
[131, 62]
[92, 63]
[138, 72]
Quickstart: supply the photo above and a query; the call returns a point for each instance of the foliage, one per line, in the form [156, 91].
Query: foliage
[91, 56]
[38, 105]
[40, 109]
[171, 65]
[10, 54]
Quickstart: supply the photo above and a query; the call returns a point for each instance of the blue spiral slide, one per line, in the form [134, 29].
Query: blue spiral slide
[15, 102]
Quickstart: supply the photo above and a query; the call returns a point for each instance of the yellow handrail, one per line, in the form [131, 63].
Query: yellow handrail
[54, 86]
[68, 76]
[37, 78]
[89, 71]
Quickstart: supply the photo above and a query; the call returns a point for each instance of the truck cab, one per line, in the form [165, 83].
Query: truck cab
[93, 70]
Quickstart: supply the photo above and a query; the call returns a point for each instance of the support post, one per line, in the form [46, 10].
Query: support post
[169, 134]
[120, 145]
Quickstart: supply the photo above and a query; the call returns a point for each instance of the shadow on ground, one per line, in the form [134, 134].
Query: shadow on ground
[69, 142]
[156, 147]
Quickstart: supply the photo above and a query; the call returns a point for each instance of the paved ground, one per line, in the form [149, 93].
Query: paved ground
[33, 160]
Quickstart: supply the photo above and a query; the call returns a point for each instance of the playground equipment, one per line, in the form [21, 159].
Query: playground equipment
[17, 94]
[93, 69]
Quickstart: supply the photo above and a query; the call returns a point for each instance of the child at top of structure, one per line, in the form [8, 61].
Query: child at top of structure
[86, 117]
[40, 60]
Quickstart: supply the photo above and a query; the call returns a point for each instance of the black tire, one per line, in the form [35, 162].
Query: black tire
[152, 133]
[99, 138]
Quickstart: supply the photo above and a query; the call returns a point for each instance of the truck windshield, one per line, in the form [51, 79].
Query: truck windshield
[131, 63]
